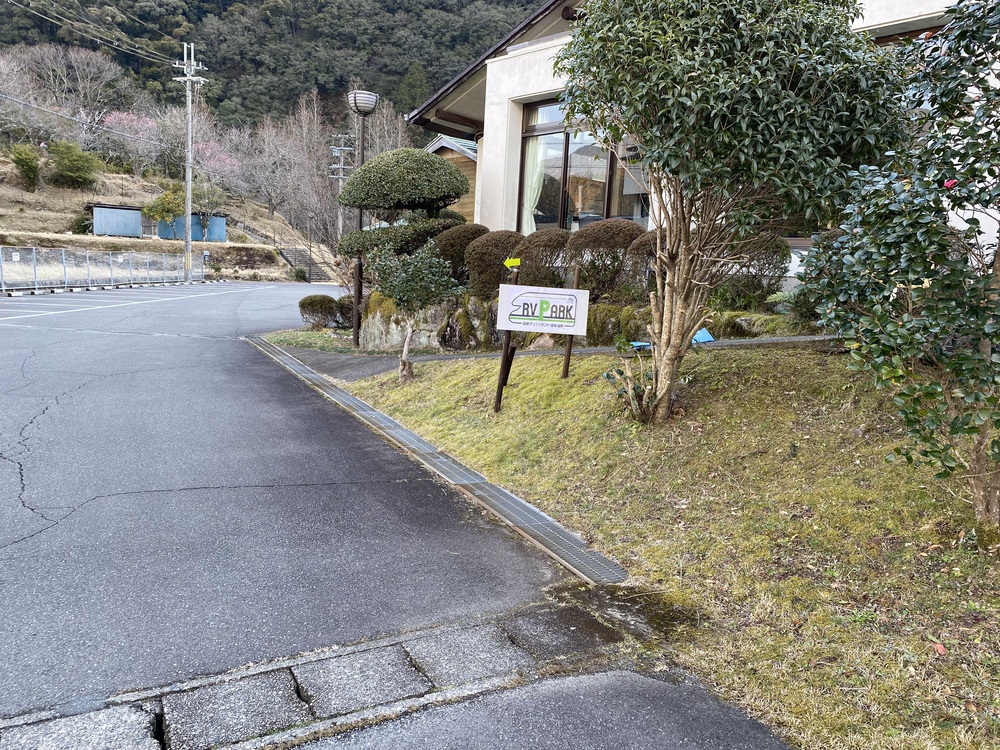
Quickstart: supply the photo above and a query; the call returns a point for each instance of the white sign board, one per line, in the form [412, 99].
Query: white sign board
[538, 308]
[15, 257]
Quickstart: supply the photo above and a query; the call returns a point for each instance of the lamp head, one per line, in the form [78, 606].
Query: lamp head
[362, 102]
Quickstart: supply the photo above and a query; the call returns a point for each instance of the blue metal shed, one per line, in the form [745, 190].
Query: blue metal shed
[117, 221]
[174, 230]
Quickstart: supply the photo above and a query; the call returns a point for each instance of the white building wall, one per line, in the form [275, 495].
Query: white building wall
[521, 76]
[894, 16]
[524, 74]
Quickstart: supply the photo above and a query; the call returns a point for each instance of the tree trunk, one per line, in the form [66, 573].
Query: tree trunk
[985, 473]
[405, 365]
[985, 483]
[667, 367]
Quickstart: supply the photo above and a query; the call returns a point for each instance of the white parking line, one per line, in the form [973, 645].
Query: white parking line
[20, 305]
[126, 304]
[82, 299]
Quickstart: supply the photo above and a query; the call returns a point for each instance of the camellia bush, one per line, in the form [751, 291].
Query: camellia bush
[912, 284]
[743, 113]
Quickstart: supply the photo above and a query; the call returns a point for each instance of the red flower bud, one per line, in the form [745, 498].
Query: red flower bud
[949, 184]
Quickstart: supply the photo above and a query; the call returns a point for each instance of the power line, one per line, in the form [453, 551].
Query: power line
[81, 122]
[106, 40]
[85, 18]
[105, 35]
[138, 20]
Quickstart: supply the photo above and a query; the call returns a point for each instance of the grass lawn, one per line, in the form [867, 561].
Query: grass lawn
[833, 595]
[327, 340]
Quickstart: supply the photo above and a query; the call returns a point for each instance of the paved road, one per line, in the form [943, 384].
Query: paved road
[610, 711]
[172, 503]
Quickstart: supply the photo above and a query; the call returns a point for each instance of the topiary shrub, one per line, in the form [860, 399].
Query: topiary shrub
[484, 258]
[452, 243]
[643, 248]
[406, 178]
[74, 168]
[542, 255]
[28, 163]
[601, 250]
[319, 311]
[413, 216]
[401, 239]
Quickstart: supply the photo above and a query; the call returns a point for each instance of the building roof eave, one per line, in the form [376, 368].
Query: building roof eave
[426, 115]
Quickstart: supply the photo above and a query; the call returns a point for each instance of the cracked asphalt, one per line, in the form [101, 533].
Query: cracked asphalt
[173, 503]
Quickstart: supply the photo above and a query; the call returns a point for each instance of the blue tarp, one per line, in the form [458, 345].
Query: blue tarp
[701, 337]
[175, 230]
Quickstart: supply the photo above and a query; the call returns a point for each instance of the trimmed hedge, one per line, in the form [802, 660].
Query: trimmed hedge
[407, 178]
[452, 243]
[323, 311]
[542, 256]
[643, 249]
[750, 288]
[601, 249]
[484, 258]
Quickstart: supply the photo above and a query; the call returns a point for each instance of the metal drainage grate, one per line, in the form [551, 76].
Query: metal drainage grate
[542, 530]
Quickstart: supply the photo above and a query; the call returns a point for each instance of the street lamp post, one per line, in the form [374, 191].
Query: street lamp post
[362, 103]
[309, 237]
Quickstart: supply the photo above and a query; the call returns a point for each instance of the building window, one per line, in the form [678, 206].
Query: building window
[565, 176]
[629, 198]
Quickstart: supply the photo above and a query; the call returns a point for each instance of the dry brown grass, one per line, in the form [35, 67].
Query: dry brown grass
[838, 596]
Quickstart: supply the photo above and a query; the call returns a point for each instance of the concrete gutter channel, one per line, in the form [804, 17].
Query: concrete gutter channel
[541, 530]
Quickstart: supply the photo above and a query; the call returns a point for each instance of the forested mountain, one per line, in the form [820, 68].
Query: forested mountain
[262, 55]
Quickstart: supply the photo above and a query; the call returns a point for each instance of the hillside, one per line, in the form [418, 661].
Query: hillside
[837, 597]
[47, 217]
[262, 56]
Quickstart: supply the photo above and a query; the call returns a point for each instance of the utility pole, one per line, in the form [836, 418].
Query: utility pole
[338, 172]
[190, 67]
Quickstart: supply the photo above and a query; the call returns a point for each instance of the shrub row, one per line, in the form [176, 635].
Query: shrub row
[72, 167]
[601, 250]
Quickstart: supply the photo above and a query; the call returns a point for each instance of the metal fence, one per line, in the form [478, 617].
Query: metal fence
[56, 268]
